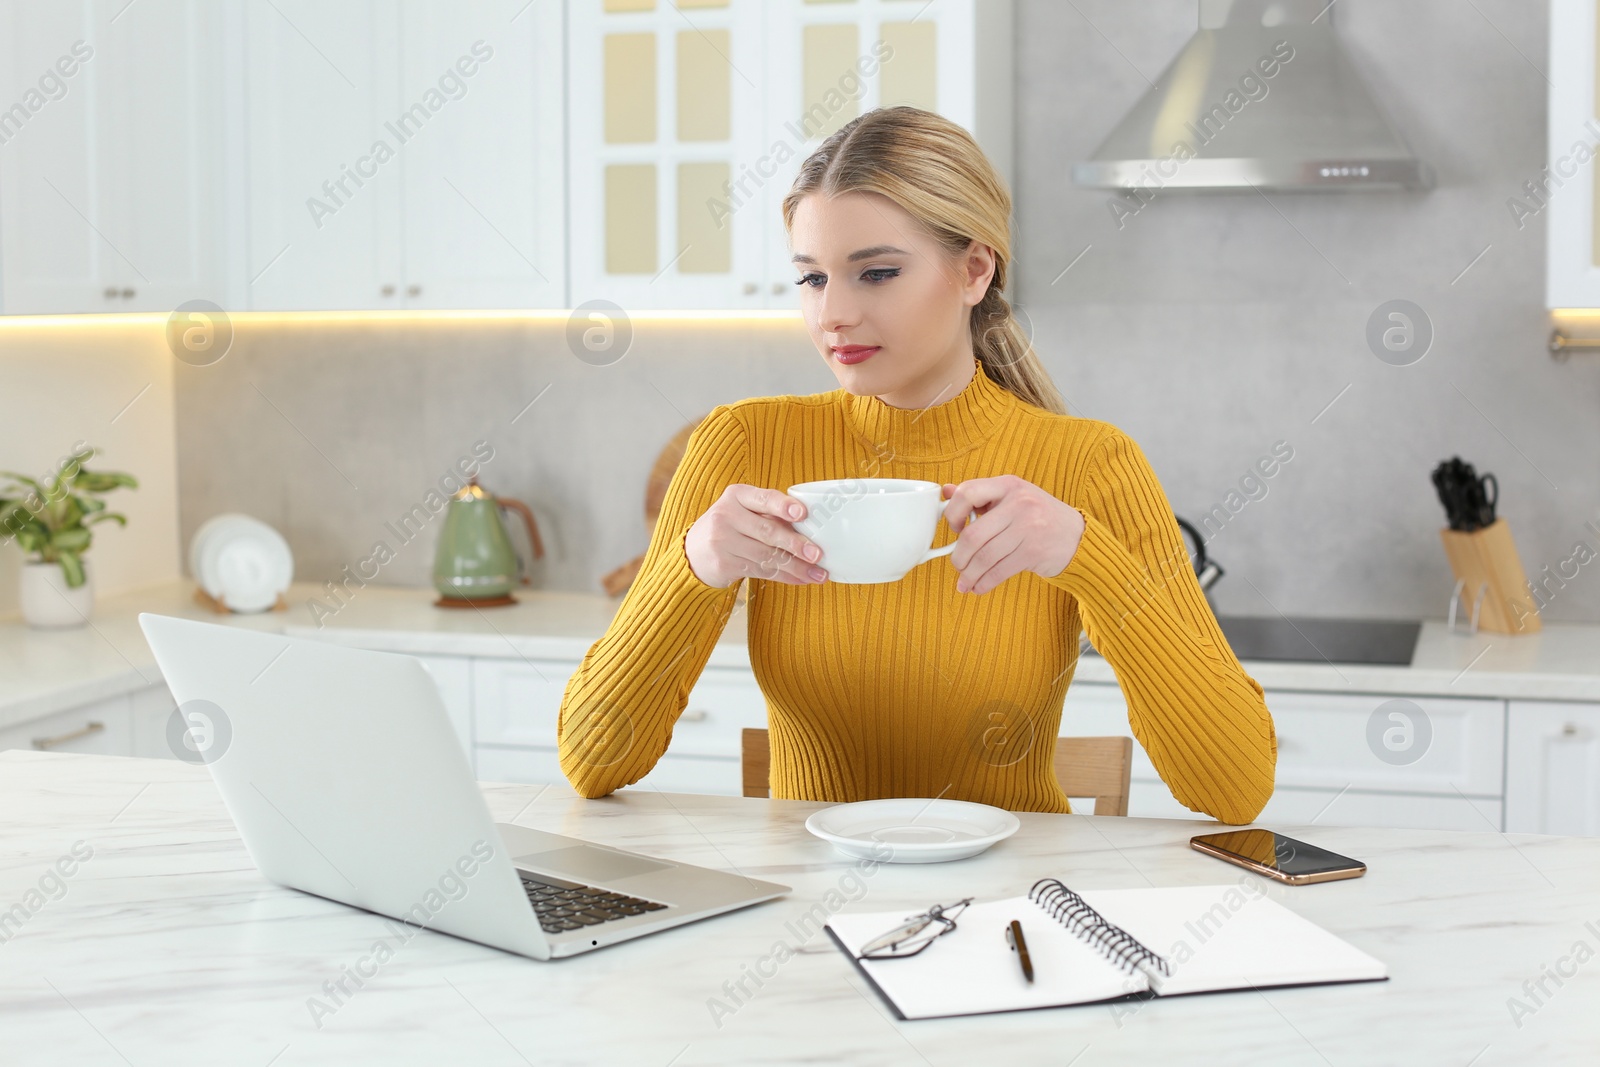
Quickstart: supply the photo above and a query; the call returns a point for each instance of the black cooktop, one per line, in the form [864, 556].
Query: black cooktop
[1302, 639]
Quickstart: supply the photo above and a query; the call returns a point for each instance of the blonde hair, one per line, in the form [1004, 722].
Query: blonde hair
[935, 171]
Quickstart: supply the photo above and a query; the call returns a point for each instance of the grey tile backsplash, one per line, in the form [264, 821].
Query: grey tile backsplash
[333, 431]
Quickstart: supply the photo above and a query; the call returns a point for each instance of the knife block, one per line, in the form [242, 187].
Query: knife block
[1489, 556]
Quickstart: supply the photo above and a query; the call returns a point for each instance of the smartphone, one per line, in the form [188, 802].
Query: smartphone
[1277, 856]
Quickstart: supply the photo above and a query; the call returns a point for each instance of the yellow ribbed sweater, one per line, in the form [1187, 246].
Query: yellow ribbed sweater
[909, 688]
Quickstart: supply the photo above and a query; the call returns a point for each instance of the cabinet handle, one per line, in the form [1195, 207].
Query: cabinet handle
[413, 290]
[695, 715]
[111, 292]
[61, 739]
[127, 294]
[750, 288]
[387, 290]
[777, 288]
[1570, 729]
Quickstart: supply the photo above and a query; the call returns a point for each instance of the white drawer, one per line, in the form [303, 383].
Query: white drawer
[722, 703]
[152, 715]
[694, 774]
[516, 701]
[1329, 807]
[537, 766]
[671, 774]
[1151, 799]
[1327, 740]
[453, 676]
[105, 728]
[1323, 740]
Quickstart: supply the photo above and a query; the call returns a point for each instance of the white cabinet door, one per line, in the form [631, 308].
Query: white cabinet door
[723, 702]
[152, 713]
[324, 157]
[523, 764]
[671, 774]
[105, 728]
[111, 161]
[1437, 745]
[1332, 761]
[1553, 768]
[51, 257]
[1567, 206]
[516, 703]
[160, 164]
[453, 676]
[420, 168]
[665, 154]
[1328, 807]
[483, 213]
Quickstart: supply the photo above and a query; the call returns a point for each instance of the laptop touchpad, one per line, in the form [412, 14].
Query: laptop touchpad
[595, 864]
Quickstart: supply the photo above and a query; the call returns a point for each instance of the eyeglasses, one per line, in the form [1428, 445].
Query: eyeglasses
[915, 934]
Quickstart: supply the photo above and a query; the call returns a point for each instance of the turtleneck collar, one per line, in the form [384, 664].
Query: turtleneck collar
[942, 431]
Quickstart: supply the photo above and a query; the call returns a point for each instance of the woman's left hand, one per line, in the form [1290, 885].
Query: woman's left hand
[1020, 527]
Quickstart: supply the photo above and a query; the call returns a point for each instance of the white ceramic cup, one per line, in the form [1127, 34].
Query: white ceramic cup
[871, 529]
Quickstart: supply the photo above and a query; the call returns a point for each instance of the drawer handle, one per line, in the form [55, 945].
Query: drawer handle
[1570, 729]
[695, 715]
[61, 739]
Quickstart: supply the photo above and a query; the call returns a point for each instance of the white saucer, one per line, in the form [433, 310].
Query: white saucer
[916, 830]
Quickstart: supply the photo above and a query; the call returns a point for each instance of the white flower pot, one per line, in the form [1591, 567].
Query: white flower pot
[47, 603]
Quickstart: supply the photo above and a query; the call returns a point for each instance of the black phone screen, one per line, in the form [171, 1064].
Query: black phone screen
[1283, 854]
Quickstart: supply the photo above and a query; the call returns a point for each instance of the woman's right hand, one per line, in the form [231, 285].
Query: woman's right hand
[747, 534]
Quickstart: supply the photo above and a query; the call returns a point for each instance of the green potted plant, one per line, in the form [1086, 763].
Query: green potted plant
[50, 519]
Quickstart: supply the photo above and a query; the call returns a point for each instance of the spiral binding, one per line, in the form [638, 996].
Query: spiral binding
[1073, 912]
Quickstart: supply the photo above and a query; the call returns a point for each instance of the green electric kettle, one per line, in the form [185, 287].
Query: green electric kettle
[475, 566]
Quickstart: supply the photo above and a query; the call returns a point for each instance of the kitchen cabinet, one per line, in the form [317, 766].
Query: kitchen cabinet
[1328, 771]
[323, 215]
[453, 676]
[483, 196]
[1483, 763]
[105, 727]
[1553, 768]
[110, 170]
[1567, 195]
[690, 120]
[151, 711]
[516, 704]
[136, 723]
[404, 155]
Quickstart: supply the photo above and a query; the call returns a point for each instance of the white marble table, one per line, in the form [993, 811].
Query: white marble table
[167, 947]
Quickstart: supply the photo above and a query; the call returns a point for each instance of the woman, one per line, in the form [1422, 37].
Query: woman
[940, 684]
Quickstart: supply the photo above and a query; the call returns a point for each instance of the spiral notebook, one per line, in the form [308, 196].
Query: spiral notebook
[1104, 944]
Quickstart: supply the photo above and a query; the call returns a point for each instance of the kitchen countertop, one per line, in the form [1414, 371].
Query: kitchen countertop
[1463, 921]
[42, 672]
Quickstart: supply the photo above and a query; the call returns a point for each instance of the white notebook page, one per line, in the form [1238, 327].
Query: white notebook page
[1217, 937]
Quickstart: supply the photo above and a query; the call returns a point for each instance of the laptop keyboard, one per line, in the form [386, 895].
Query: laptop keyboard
[562, 905]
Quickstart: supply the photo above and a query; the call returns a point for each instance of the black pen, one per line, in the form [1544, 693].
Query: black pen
[1019, 945]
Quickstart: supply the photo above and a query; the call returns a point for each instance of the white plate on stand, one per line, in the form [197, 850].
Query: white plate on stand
[914, 830]
[241, 561]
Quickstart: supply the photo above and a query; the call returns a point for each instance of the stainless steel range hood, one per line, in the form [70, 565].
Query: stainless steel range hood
[1262, 96]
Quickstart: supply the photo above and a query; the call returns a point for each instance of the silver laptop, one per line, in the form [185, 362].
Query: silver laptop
[345, 778]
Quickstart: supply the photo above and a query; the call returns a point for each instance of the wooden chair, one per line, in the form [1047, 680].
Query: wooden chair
[1095, 767]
